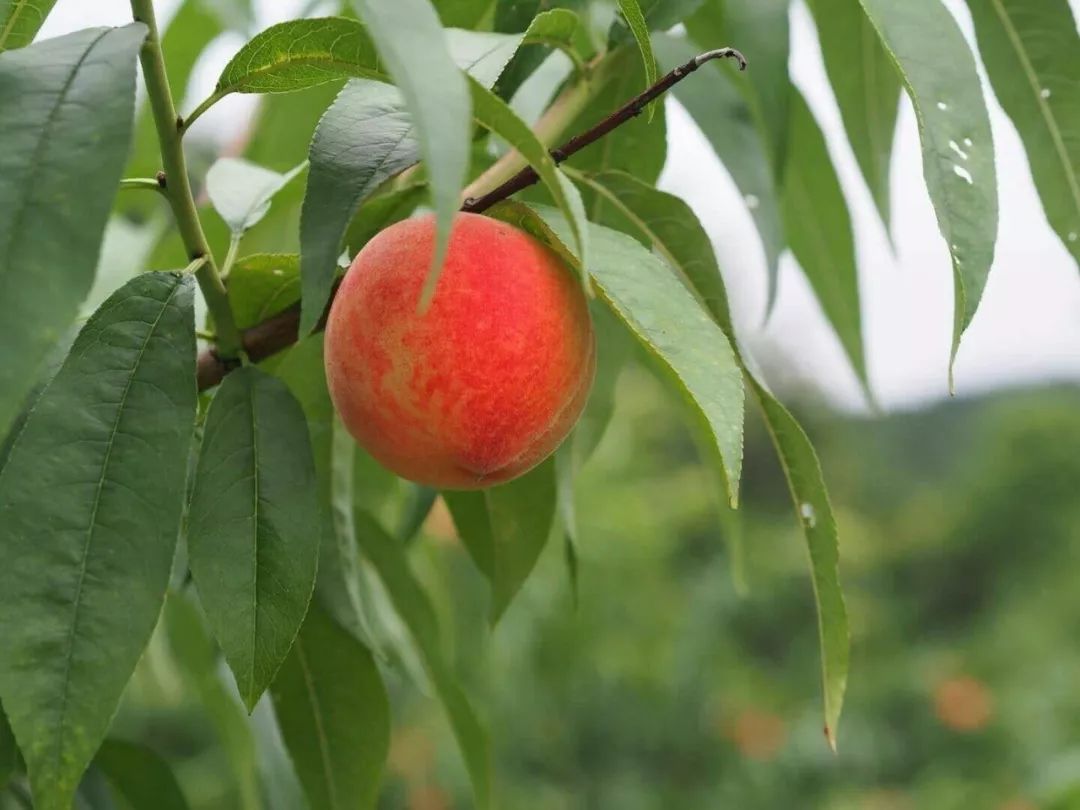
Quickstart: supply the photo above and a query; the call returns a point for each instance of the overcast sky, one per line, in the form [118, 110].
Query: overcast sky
[1027, 328]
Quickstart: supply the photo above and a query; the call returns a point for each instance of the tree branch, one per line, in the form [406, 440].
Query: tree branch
[177, 186]
[282, 330]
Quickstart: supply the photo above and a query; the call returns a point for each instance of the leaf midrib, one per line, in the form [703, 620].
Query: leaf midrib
[234, 86]
[9, 26]
[255, 554]
[93, 520]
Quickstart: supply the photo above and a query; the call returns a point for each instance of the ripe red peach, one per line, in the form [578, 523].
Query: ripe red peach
[486, 382]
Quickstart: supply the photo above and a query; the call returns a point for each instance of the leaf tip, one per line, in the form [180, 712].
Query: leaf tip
[830, 738]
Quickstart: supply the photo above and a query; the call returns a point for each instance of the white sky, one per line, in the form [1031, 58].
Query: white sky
[1027, 328]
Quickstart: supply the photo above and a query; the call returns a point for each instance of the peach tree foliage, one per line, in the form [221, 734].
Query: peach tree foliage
[170, 458]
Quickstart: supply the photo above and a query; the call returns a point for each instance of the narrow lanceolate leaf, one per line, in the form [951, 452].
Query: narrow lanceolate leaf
[803, 472]
[819, 231]
[412, 43]
[59, 170]
[20, 20]
[522, 513]
[299, 54]
[675, 233]
[631, 11]
[241, 191]
[726, 120]
[759, 28]
[1031, 51]
[473, 524]
[505, 528]
[495, 115]
[253, 526]
[666, 223]
[140, 776]
[334, 715]
[411, 602]
[564, 487]
[90, 505]
[868, 95]
[689, 348]
[938, 71]
[365, 137]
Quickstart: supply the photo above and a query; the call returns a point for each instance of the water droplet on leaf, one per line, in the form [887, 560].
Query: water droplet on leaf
[963, 174]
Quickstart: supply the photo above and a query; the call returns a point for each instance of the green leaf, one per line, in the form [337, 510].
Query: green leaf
[365, 137]
[495, 115]
[140, 776]
[9, 751]
[262, 285]
[463, 13]
[253, 542]
[90, 505]
[564, 487]
[666, 222]
[469, 509]
[196, 659]
[726, 120]
[557, 28]
[337, 584]
[412, 604]
[334, 715]
[298, 54]
[759, 28]
[938, 71]
[418, 505]
[21, 20]
[869, 96]
[614, 346]
[631, 12]
[51, 226]
[819, 231]
[490, 532]
[505, 528]
[803, 472]
[241, 191]
[688, 348]
[381, 212]
[1030, 51]
[411, 41]
[663, 14]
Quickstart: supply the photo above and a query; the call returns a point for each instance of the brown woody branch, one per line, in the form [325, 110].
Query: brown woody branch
[282, 330]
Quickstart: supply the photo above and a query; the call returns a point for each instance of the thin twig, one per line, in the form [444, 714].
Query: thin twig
[282, 330]
[631, 109]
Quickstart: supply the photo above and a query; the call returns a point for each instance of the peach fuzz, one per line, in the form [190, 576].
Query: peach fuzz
[484, 384]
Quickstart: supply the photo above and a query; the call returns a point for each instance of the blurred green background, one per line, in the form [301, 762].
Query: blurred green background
[668, 688]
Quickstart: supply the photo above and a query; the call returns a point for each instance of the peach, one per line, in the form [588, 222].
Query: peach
[486, 382]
